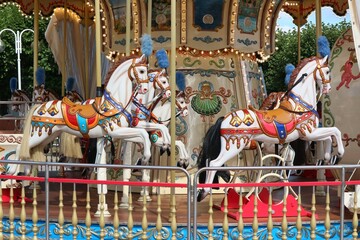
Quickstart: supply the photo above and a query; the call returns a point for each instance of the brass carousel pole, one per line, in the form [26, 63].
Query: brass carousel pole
[127, 37]
[63, 82]
[98, 48]
[36, 38]
[318, 22]
[86, 79]
[149, 17]
[127, 145]
[320, 190]
[173, 86]
[300, 8]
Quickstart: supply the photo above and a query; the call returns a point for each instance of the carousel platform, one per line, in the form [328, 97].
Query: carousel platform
[82, 205]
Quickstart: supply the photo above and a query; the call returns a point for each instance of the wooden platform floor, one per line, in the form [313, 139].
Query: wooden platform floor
[202, 214]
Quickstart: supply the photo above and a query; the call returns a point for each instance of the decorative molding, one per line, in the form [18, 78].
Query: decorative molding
[219, 64]
[247, 41]
[328, 118]
[187, 62]
[347, 139]
[209, 72]
[181, 232]
[161, 39]
[207, 39]
[10, 139]
[183, 15]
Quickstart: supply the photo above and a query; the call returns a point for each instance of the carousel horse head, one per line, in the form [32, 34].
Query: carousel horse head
[181, 104]
[71, 93]
[40, 94]
[160, 81]
[180, 94]
[18, 95]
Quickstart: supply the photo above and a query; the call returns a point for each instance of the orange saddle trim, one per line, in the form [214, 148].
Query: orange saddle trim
[79, 117]
[277, 123]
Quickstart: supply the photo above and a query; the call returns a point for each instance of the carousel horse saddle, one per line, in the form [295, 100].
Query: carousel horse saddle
[279, 115]
[277, 123]
[79, 117]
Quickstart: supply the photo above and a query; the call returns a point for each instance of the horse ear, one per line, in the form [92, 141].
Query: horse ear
[162, 72]
[324, 60]
[13, 84]
[142, 59]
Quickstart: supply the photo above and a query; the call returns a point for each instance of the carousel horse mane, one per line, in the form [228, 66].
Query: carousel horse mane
[116, 65]
[296, 71]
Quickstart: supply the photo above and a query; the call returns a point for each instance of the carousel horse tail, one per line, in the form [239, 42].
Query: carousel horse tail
[24, 152]
[70, 146]
[211, 150]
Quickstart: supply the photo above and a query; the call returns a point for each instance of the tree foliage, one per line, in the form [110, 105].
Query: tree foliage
[11, 17]
[287, 43]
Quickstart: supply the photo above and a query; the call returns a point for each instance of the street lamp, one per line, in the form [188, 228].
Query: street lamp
[18, 47]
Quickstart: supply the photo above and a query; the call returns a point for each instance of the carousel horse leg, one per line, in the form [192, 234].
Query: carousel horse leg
[183, 155]
[101, 175]
[320, 174]
[126, 156]
[223, 157]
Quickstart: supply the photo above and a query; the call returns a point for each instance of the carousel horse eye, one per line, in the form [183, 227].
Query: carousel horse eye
[142, 71]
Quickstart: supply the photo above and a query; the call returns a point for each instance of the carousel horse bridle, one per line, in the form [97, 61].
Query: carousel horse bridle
[118, 106]
[155, 79]
[297, 99]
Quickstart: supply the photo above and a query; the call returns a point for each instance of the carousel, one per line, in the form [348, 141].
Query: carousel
[223, 169]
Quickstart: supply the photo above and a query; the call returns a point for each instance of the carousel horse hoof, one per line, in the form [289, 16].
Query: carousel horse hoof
[201, 195]
[162, 151]
[183, 164]
[137, 172]
[168, 152]
[62, 159]
[338, 159]
[225, 175]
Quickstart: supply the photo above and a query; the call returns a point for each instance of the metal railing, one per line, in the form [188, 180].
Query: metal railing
[192, 186]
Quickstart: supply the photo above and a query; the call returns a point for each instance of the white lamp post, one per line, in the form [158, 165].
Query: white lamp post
[18, 47]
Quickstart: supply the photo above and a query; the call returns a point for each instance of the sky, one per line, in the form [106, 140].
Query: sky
[328, 16]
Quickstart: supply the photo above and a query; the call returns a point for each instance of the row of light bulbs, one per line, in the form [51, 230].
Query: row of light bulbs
[112, 55]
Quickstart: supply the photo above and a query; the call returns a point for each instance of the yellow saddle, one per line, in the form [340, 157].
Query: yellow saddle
[280, 115]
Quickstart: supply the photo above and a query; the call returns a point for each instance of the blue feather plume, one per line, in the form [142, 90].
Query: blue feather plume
[40, 76]
[146, 45]
[289, 68]
[70, 83]
[180, 80]
[13, 84]
[162, 58]
[323, 46]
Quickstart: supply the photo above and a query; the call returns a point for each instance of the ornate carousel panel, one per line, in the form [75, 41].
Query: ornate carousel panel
[341, 107]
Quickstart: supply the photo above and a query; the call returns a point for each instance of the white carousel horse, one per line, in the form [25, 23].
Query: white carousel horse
[295, 118]
[161, 113]
[20, 102]
[158, 82]
[106, 116]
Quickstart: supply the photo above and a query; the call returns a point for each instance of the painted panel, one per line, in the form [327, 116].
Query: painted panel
[208, 14]
[161, 15]
[119, 12]
[341, 108]
[247, 15]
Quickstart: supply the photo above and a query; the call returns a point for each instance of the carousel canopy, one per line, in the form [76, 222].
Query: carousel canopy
[204, 25]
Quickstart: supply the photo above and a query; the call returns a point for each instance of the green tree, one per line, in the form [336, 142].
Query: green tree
[274, 68]
[11, 17]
